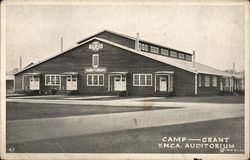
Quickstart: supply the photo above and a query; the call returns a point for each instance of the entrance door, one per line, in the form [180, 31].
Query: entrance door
[74, 83]
[119, 83]
[163, 83]
[71, 83]
[34, 83]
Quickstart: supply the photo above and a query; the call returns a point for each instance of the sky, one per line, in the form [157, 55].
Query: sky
[215, 32]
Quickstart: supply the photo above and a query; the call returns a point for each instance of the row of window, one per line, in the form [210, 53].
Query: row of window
[98, 80]
[165, 52]
[207, 81]
[138, 80]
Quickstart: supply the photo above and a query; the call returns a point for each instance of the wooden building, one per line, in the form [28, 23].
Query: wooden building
[113, 63]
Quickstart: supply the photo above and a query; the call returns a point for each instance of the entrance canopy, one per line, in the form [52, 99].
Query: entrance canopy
[70, 73]
[118, 73]
[164, 72]
[32, 74]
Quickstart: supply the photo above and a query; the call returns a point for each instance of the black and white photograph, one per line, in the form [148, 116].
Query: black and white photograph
[125, 80]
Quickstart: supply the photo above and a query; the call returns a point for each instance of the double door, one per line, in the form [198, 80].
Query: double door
[34, 83]
[71, 83]
[119, 83]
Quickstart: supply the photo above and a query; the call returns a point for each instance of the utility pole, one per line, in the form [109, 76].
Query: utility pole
[61, 44]
[20, 62]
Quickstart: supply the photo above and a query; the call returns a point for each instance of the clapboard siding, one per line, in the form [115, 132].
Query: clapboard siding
[116, 60]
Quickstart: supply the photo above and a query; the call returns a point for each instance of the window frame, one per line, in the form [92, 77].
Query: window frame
[199, 80]
[55, 79]
[207, 81]
[173, 54]
[143, 47]
[215, 81]
[188, 57]
[92, 80]
[93, 60]
[145, 79]
[181, 55]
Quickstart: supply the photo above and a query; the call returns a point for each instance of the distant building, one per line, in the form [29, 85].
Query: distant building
[111, 63]
[10, 81]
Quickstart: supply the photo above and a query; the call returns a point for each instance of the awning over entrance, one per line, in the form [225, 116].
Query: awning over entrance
[32, 74]
[118, 73]
[164, 72]
[70, 73]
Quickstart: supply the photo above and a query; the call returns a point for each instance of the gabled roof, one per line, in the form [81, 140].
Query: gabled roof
[131, 38]
[185, 65]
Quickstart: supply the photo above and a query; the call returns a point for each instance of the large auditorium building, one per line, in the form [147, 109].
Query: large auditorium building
[113, 63]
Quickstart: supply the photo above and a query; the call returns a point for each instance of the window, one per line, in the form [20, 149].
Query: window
[199, 80]
[146, 47]
[173, 54]
[89, 80]
[149, 80]
[47, 80]
[164, 52]
[143, 47]
[58, 81]
[52, 80]
[95, 60]
[142, 79]
[227, 82]
[101, 80]
[154, 49]
[95, 80]
[181, 56]
[214, 81]
[188, 57]
[136, 80]
[207, 80]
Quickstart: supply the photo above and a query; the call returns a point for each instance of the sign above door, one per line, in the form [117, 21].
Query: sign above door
[95, 70]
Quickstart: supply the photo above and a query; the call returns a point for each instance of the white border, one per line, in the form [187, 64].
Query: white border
[121, 156]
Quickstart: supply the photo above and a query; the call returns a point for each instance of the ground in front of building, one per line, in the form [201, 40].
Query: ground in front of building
[146, 140]
[115, 127]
